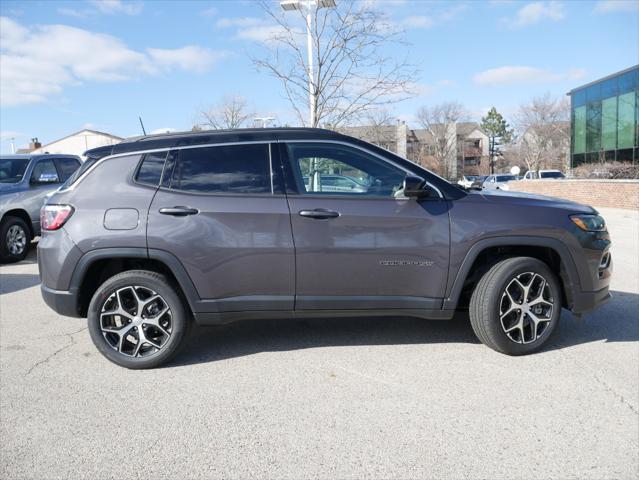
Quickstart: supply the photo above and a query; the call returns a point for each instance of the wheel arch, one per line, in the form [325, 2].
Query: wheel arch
[96, 266]
[22, 214]
[486, 252]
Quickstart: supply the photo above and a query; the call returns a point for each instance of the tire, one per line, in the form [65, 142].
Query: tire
[15, 238]
[503, 318]
[115, 321]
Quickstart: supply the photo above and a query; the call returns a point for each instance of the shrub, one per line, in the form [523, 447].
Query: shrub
[616, 170]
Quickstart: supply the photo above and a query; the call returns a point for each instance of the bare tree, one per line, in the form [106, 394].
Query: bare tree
[544, 132]
[231, 112]
[352, 69]
[440, 121]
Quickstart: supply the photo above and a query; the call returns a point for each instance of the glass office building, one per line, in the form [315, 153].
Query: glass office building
[605, 119]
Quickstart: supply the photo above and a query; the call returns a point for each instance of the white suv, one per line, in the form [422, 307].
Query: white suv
[544, 175]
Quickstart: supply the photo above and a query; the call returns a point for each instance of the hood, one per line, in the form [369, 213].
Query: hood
[531, 199]
[11, 187]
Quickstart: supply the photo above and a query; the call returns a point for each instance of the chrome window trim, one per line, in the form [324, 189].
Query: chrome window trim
[252, 142]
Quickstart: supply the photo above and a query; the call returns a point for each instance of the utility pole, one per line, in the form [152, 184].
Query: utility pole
[310, 7]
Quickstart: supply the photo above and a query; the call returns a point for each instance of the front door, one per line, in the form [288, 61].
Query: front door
[220, 213]
[359, 243]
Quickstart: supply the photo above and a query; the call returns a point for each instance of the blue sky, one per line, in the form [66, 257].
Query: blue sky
[69, 65]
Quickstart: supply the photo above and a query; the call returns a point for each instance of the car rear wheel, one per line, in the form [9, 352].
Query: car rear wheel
[15, 237]
[137, 320]
[516, 306]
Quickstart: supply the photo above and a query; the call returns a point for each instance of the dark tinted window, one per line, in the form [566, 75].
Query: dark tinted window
[223, 169]
[552, 175]
[150, 170]
[66, 167]
[12, 169]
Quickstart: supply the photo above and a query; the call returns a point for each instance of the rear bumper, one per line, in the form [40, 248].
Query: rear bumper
[584, 302]
[63, 302]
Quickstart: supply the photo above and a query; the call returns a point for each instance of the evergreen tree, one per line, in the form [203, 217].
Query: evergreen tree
[499, 133]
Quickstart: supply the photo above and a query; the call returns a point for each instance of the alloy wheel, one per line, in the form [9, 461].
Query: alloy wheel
[526, 308]
[136, 321]
[16, 240]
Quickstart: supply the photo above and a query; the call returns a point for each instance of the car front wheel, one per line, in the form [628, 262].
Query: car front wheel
[137, 320]
[516, 306]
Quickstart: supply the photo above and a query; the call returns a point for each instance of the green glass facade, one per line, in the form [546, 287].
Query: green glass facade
[605, 119]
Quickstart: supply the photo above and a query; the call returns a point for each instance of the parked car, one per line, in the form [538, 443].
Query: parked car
[543, 175]
[335, 183]
[25, 180]
[498, 181]
[467, 181]
[220, 226]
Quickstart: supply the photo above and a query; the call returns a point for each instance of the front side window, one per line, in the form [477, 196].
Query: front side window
[45, 172]
[323, 168]
[224, 169]
[12, 169]
[552, 175]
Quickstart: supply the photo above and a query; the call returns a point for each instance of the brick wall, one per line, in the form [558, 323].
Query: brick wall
[599, 193]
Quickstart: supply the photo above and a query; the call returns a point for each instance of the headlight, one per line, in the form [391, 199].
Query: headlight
[589, 223]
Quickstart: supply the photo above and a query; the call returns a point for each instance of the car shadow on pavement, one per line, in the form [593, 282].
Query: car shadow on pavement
[614, 322]
[14, 282]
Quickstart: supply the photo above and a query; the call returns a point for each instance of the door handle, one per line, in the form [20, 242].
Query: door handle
[319, 213]
[179, 211]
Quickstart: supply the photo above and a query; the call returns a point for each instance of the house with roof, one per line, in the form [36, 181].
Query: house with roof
[75, 144]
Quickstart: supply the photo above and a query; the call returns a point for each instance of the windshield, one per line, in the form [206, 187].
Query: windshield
[75, 175]
[551, 175]
[12, 169]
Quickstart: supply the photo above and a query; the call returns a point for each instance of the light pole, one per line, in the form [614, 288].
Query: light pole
[309, 6]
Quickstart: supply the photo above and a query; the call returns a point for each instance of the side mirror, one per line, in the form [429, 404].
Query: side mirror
[415, 187]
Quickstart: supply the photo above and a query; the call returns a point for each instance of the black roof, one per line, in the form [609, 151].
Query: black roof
[182, 139]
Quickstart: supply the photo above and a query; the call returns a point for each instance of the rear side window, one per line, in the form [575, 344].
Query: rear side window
[66, 167]
[224, 169]
[150, 171]
[45, 172]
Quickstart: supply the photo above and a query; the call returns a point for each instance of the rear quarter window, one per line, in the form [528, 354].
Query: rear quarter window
[150, 170]
[224, 169]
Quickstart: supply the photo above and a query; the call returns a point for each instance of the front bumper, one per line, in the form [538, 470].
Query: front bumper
[584, 302]
[63, 302]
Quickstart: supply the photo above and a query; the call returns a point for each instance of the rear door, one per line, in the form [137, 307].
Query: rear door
[365, 248]
[225, 217]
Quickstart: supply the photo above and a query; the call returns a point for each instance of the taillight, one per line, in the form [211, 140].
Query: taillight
[52, 217]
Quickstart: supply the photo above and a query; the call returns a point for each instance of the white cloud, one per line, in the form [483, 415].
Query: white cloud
[112, 7]
[611, 6]
[39, 62]
[262, 33]
[106, 7]
[536, 12]
[191, 57]
[418, 21]
[437, 18]
[209, 12]
[509, 75]
[238, 22]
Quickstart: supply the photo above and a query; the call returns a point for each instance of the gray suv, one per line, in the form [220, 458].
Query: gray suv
[221, 226]
[25, 181]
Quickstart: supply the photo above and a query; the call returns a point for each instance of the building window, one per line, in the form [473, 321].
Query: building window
[626, 121]
[579, 130]
[609, 123]
[593, 127]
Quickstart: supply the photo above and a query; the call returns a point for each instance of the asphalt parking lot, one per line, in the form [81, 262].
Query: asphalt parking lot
[336, 398]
